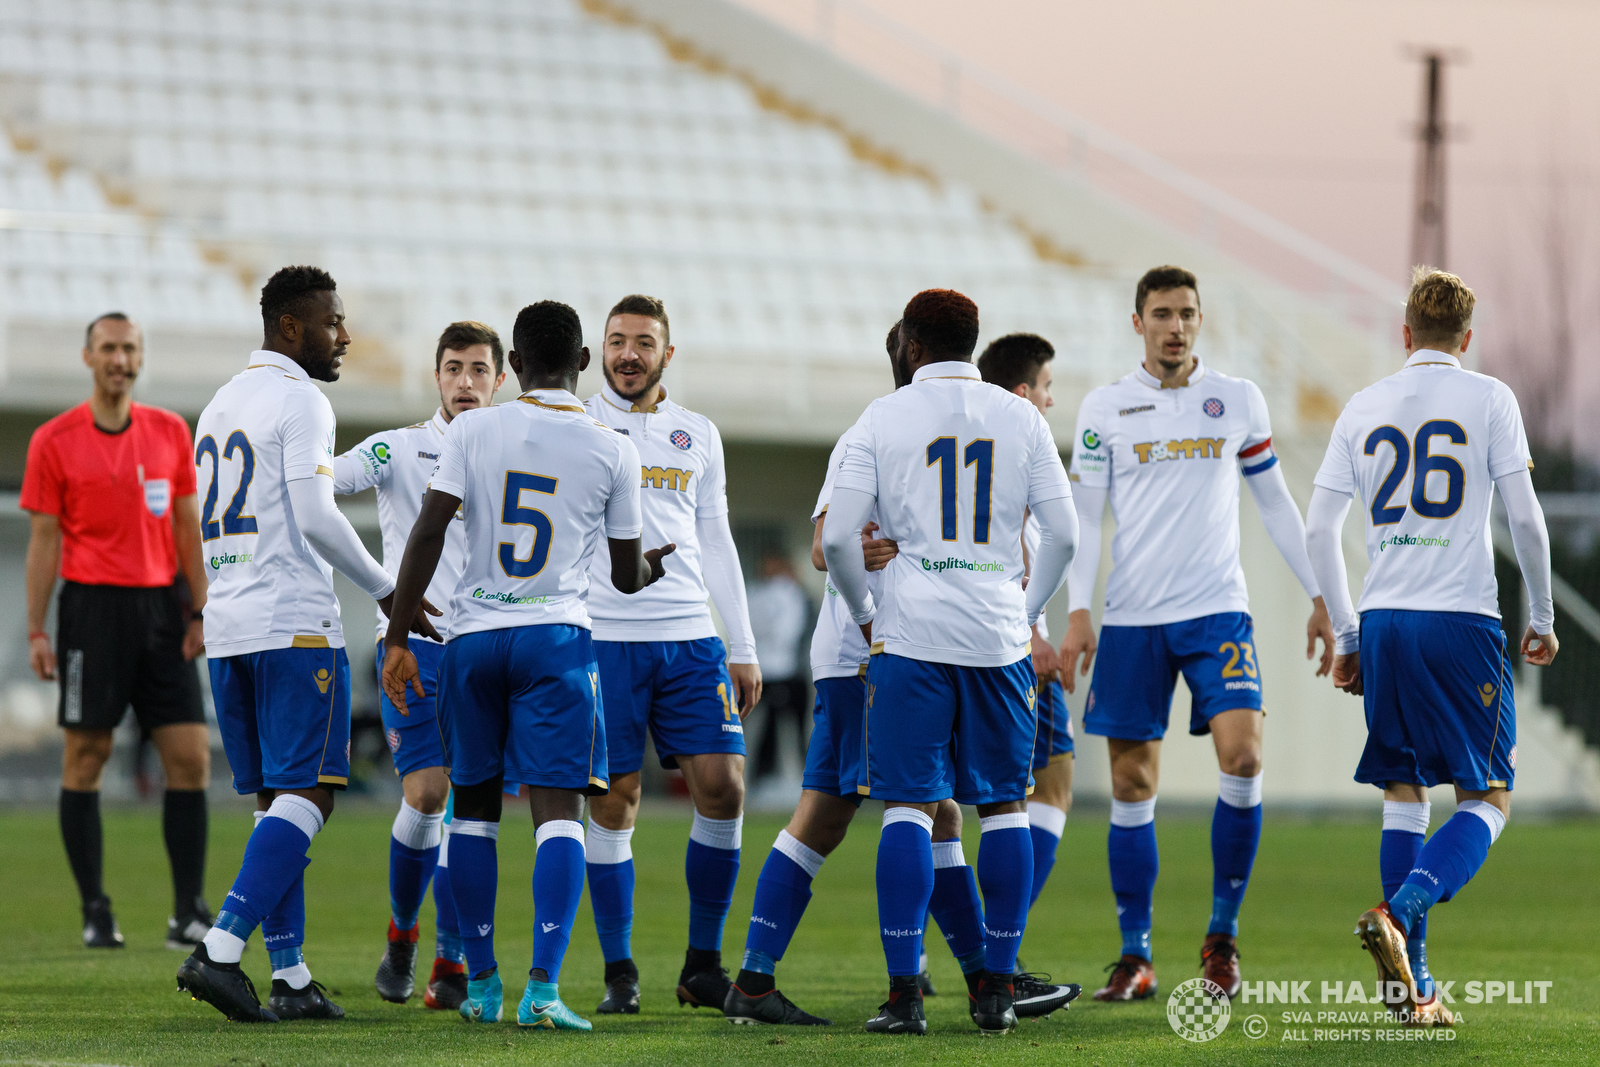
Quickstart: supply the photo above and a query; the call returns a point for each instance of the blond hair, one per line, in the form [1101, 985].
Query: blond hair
[1439, 309]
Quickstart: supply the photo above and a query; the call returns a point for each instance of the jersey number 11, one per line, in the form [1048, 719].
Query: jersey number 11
[978, 454]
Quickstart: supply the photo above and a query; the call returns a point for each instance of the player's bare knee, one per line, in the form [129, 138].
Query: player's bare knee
[83, 758]
[555, 805]
[722, 799]
[820, 821]
[1004, 807]
[481, 801]
[1243, 763]
[426, 790]
[947, 821]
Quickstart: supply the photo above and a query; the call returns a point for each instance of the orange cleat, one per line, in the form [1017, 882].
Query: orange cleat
[1381, 935]
[1431, 1012]
[1132, 978]
[1220, 958]
[447, 986]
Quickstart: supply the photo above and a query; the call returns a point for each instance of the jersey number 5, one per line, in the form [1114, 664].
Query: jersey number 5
[234, 520]
[512, 513]
[979, 454]
[1426, 464]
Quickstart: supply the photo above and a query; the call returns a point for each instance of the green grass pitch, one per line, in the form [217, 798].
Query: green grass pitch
[1530, 915]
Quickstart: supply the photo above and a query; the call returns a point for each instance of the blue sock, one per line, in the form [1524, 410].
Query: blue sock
[610, 870]
[1134, 864]
[447, 928]
[557, 887]
[1044, 859]
[782, 893]
[711, 867]
[283, 931]
[1005, 870]
[413, 854]
[1447, 862]
[1397, 855]
[905, 885]
[274, 859]
[1235, 833]
[474, 877]
[955, 905]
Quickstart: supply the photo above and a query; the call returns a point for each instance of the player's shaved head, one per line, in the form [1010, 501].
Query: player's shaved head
[548, 341]
[1439, 309]
[942, 321]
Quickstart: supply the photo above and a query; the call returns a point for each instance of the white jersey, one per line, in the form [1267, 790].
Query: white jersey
[265, 428]
[1422, 449]
[540, 484]
[954, 463]
[682, 481]
[1171, 460]
[837, 648]
[1032, 537]
[398, 463]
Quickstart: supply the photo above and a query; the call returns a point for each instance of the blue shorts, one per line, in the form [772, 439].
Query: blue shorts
[1438, 698]
[935, 730]
[833, 758]
[285, 717]
[1130, 695]
[679, 690]
[414, 741]
[524, 703]
[1052, 741]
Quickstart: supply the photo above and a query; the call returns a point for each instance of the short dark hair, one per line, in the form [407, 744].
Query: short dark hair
[892, 342]
[548, 337]
[649, 306]
[1015, 359]
[287, 292]
[465, 334]
[1158, 278]
[943, 321]
[110, 316]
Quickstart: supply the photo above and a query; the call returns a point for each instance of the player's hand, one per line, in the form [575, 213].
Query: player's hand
[1319, 625]
[399, 668]
[1080, 641]
[1046, 663]
[419, 622]
[1539, 649]
[877, 551]
[42, 658]
[194, 638]
[657, 571]
[866, 631]
[1347, 672]
[746, 685]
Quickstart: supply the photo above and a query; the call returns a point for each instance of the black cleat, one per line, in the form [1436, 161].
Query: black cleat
[309, 1003]
[771, 1008]
[397, 971]
[925, 983]
[992, 1007]
[186, 931]
[707, 985]
[100, 926]
[224, 986]
[447, 987]
[902, 1012]
[1033, 995]
[622, 996]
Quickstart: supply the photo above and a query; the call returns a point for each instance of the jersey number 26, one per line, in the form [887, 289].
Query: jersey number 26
[1455, 477]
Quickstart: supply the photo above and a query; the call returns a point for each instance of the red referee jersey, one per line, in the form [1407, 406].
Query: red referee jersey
[113, 493]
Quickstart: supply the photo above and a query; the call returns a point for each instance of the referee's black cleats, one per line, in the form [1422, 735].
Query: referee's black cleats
[224, 986]
[1034, 995]
[186, 931]
[397, 971]
[902, 1013]
[993, 1004]
[100, 926]
[622, 996]
[771, 1008]
[311, 1002]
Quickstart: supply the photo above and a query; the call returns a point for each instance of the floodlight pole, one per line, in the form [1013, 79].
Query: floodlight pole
[1428, 221]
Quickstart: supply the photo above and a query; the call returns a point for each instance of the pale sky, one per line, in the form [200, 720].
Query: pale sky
[1306, 110]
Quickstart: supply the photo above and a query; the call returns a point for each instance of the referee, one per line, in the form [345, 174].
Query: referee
[110, 488]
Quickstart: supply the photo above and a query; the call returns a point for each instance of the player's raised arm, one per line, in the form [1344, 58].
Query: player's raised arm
[1325, 556]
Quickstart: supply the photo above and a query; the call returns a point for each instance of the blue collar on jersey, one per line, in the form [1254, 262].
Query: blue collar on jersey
[1146, 378]
[1433, 356]
[953, 368]
[263, 358]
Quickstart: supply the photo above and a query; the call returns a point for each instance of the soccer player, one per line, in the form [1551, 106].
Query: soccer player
[537, 482]
[110, 491]
[1020, 363]
[664, 668]
[468, 366]
[1424, 449]
[279, 674]
[950, 465]
[1166, 445]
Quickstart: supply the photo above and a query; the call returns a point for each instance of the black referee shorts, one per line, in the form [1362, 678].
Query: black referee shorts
[117, 646]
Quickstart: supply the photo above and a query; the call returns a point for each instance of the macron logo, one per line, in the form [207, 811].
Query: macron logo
[547, 927]
[484, 928]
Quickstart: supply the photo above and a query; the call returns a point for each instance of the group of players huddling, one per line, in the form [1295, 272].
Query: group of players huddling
[520, 656]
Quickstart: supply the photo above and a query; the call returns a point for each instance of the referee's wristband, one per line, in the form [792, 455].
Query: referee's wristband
[38, 633]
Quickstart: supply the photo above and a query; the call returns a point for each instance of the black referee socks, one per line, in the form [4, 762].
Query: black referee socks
[183, 825]
[80, 831]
